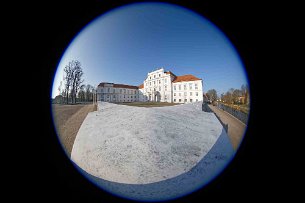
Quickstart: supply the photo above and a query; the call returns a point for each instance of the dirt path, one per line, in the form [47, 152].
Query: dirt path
[68, 119]
[236, 127]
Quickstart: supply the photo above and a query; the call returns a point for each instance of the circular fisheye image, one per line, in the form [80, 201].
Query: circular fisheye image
[150, 101]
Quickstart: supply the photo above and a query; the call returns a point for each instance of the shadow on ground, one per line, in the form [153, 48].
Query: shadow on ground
[208, 167]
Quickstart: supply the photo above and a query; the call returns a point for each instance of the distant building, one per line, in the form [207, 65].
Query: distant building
[159, 86]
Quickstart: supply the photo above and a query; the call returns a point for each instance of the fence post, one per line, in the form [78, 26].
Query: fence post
[226, 127]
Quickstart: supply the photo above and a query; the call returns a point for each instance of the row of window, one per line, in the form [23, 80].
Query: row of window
[185, 100]
[122, 96]
[185, 86]
[155, 89]
[154, 82]
[155, 76]
[185, 94]
[121, 91]
[123, 100]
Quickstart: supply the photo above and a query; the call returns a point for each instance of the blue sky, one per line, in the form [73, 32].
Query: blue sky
[126, 43]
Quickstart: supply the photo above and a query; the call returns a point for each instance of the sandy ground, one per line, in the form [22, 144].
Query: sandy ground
[68, 119]
[236, 128]
[134, 145]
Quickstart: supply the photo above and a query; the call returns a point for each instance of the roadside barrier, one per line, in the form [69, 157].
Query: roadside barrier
[243, 117]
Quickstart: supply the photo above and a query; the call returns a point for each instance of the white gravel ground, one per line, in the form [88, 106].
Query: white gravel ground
[137, 145]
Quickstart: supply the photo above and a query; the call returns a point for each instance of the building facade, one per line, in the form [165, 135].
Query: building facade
[159, 86]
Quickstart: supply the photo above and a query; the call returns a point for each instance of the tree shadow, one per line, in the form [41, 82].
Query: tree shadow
[206, 170]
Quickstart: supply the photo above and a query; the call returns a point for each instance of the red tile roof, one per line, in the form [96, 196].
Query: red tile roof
[141, 86]
[185, 78]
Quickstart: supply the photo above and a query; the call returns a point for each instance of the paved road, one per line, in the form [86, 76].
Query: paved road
[236, 127]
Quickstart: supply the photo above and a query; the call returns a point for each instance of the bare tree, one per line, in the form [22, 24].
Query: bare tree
[212, 95]
[245, 93]
[236, 94]
[73, 79]
[60, 91]
[89, 89]
[68, 79]
[81, 93]
[76, 79]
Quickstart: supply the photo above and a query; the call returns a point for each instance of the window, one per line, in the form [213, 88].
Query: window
[184, 86]
[174, 94]
[131, 96]
[159, 81]
[154, 76]
[179, 94]
[108, 89]
[174, 87]
[113, 96]
[185, 94]
[149, 83]
[191, 93]
[113, 90]
[165, 80]
[154, 82]
[174, 100]
[102, 90]
[159, 88]
[150, 78]
[124, 92]
[191, 100]
[196, 86]
[196, 93]
[179, 100]
[165, 88]
[159, 75]
[121, 91]
[179, 87]
[190, 85]
[124, 97]
[196, 100]
[185, 100]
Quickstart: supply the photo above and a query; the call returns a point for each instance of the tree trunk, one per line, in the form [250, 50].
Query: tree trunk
[67, 95]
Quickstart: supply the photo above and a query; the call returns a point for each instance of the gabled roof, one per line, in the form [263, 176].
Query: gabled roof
[185, 78]
[141, 86]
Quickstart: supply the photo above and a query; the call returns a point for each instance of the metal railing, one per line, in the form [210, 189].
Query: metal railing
[243, 117]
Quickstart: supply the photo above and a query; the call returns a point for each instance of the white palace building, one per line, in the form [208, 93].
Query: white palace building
[159, 86]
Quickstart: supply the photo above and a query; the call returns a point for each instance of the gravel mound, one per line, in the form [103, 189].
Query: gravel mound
[137, 145]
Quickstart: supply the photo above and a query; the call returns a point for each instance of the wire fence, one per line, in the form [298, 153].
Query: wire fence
[243, 117]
